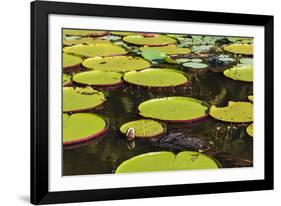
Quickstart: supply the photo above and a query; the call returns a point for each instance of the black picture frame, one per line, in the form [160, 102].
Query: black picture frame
[39, 102]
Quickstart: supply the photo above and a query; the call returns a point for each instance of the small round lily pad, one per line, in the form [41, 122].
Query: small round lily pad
[169, 49]
[174, 109]
[98, 78]
[157, 40]
[235, 112]
[156, 77]
[95, 50]
[116, 63]
[240, 73]
[81, 127]
[249, 130]
[195, 65]
[81, 99]
[251, 98]
[71, 60]
[246, 49]
[144, 128]
[167, 161]
[86, 40]
[80, 32]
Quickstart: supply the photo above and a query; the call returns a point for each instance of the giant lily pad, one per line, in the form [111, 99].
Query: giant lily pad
[234, 112]
[81, 127]
[124, 33]
[156, 77]
[81, 99]
[169, 49]
[86, 40]
[95, 50]
[117, 63]
[157, 40]
[249, 130]
[174, 109]
[167, 161]
[240, 73]
[79, 32]
[98, 78]
[246, 49]
[144, 128]
[195, 65]
[71, 60]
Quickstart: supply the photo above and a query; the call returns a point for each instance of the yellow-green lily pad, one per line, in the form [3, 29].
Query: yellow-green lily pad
[167, 161]
[144, 128]
[157, 40]
[95, 50]
[66, 79]
[235, 112]
[81, 127]
[86, 40]
[98, 78]
[174, 109]
[246, 49]
[71, 60]
[251, 98]
[80, 32]
[240, 73]
[169, 49]
[124, 33]
[249, 130]
[156, 77]
[81, 99]
[116, 63]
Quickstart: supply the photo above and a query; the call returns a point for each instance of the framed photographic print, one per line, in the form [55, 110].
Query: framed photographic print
[131, 102]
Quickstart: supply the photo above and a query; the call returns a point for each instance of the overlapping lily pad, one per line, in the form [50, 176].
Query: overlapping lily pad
[246, 49]
[144, 128]
[169, 49]
[81, 99]
[240, 73]
[95, 50]
[116, 63]
[80, 32]
[86, 40]
[165, 77]
[98, 78]
[81, 127]
[174, 109]
[167, 161]
[235, 112]
[249, 130]
[157, 40]
[71, 60]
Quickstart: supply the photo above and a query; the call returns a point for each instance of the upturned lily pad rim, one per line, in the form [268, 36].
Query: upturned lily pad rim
[187, 83]
[163, 124]
[89, 137]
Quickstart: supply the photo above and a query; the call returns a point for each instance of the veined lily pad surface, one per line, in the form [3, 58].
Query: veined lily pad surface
[169, 49]
[167, 161]
[79, 32]
[71, 60]
[98, 78]
[80, 99]
[81, 127]
[249, 130]
[86, 40]
[95, 50]
[235, 112]
[144, 128]
[157, 40]
[117, 63]
[246, 49]
[174, 109]
[165, 77]
[240, 73]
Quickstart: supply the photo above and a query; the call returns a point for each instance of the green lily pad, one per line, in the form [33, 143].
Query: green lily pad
[86, 40]
[174, 109]
[247, 61]
[66, 79]
[249, 130]
[116, 63]
[167, 161]
[240, 73]
[98, 78]
[153, 54]
[235, 112]
[169, 49]
[225, 58]
[79, 32]
[81, 99]
[81, 127]
[95, 50]
[71, 60]
[157, 40]
[195, 65]
[246, 49]
[156, 77]
[251, 98]
[124, 33]
[144, 128]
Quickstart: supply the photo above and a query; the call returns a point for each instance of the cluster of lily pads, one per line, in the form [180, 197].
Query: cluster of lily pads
[111, 59]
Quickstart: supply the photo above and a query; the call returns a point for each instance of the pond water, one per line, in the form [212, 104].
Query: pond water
[227, 142]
